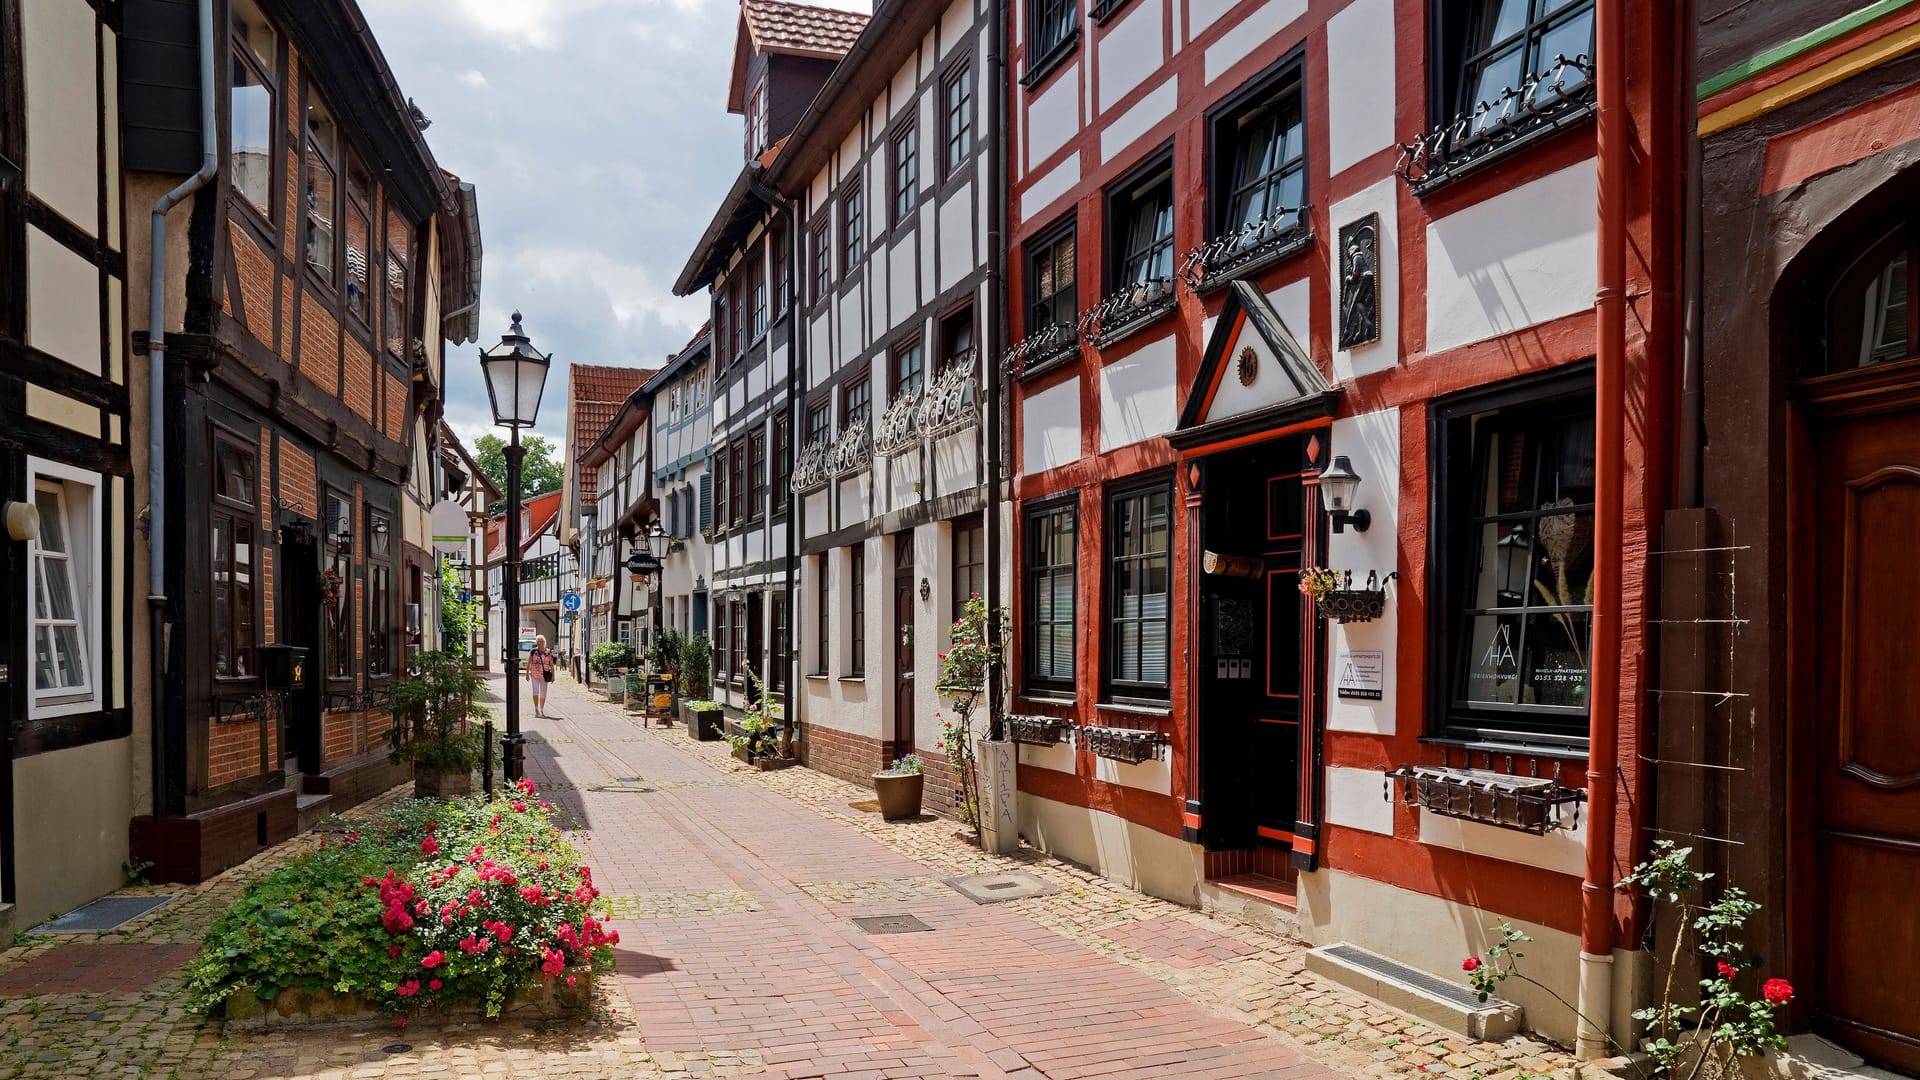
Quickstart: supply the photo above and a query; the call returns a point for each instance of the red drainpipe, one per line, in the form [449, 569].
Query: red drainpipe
[1610, 361]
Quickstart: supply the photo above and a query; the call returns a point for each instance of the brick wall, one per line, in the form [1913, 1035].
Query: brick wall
[358, 391]
[396, 418]
[319, 344]
[338, 731]
[259, 282]
[233, 752]
[855, 758]
[297, 484]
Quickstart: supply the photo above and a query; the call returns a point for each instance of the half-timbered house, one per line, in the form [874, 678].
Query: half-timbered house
[683, 481]
[1301, 286]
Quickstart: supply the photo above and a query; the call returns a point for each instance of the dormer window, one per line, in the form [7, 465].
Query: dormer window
[756, 128]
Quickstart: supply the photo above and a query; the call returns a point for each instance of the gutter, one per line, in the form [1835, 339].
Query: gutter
[996, 341]
[1610, 358]
[157, 404]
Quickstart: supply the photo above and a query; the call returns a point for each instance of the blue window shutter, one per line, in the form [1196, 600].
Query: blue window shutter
[706, 500]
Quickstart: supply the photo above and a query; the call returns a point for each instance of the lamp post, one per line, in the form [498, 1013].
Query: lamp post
[516, 374]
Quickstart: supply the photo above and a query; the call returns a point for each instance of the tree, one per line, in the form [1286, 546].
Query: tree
[539, 473]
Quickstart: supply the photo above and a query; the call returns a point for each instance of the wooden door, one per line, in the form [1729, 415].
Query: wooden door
[1865, 724]
[903, 606]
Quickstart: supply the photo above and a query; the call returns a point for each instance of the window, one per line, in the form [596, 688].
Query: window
[1139, 554]
[394, 320]
[757, 283]
[956, 94]
[251, 117]
[230, 526]
[721, 338]
[856, 400]
[737, 483]
[338, 589]
[1515, 561]
[1051, 549]
[782, 464]
[720, 486]
[63, 589]
[1141, 224]
[907, 368]
[755, 128]
[1051, 297]
[819, 423]
[904, 149]
[706, 500]
[756, 475]
[722, 644]
[742, 659]
[780, 257]
[1504, 44]
[822, 262]
[852, 228]
[1261, 159]
[738, 298]
[857, 611]
[822, 604]
[777, 662]
[1867, 313]
[969, 563]
[1051, 26]
[322, 189]
[359, 235]
[380, 645]
[956, 341]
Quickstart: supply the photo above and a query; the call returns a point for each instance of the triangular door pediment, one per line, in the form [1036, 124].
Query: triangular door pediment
[1254, 376]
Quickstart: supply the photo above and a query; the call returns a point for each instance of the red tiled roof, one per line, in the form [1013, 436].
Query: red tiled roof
[778, 26]
[595, 393]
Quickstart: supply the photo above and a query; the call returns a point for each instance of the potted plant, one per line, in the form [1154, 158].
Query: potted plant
[759, 740]
[706, 720]
[898, 787]
[696, 675]
[431, 708]
[1332, 592]
[608, 660]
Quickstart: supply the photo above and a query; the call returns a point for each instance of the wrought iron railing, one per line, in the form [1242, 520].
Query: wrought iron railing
[1133, 305]
[851, 451]
[1041, 346]
[810, 467]
[899, 428]
[1542, 103]
[1221, 258]
[268, 705]
[950, 401]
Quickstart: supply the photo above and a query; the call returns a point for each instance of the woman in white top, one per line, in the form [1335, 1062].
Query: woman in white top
[540, 673]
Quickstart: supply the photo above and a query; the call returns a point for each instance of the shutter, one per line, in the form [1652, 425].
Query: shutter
[706, 500]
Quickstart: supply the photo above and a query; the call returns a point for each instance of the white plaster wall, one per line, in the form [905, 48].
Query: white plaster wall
[1153, 774]
[814, 506]
[852, 327]
[1356, 799]
[904, 82]
[954, 24]
[1262, 24]
[1051, 437]
[1053, 117]
[1269, 386]
[1131, 48]
[1059, 757]
[902, 283]
[1138, 399]
[1383, 353]
[820, 349]
[1372, 442]
[956, 235]
[1203, 14]
[1359, 102]
[1115, 848]
[1048, 187]
[73, 826]
[62, 107]
[110, 62]
[1515, 260]
[956, 461]
[1293, 302]
[1564, 851]
[1130, 126]
[63, 302]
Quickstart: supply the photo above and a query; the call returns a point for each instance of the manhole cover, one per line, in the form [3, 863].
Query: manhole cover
[890, 924]
[396, 1048]
[623, 789]
[103, 914]
[996, 888]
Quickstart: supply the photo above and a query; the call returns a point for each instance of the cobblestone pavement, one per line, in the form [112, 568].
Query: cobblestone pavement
[734, 891]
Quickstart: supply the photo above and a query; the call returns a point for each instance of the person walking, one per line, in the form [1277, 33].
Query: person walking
[540, 673]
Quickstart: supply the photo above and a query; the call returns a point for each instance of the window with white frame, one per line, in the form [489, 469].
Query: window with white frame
[63, 589]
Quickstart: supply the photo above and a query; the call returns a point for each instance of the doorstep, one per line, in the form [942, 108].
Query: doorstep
[311, 809]
[1266, 902]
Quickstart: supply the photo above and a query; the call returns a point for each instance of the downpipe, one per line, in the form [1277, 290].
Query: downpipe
[157, 404]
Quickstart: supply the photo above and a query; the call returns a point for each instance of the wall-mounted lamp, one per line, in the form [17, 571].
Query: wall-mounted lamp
[926, 590]
[379, 525]
[23, 520]
[343, 543]
[1337, 485]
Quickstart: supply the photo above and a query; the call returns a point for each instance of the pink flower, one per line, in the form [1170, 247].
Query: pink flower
[570, 980]
[1777, 991]
[1471, 963]
[408, 988]
[433, 959]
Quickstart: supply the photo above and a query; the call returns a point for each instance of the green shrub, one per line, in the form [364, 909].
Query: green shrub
[609, 655]
[696, 666]
[665, 653]
[430, 708]
[430, 903]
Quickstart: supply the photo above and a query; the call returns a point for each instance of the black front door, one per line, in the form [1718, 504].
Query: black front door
[301, 616]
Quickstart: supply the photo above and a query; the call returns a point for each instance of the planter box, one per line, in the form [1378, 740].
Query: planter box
[434, 783]
[1354, 605]
[768, 763]
[899, 794]
[1131, 745]
[706, 725]
[1532, 804]
[1039, 730]
[294, 1007]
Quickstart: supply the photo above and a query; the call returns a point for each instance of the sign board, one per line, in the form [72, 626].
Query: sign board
[451, 533]
[1359, 675]
[571, 601]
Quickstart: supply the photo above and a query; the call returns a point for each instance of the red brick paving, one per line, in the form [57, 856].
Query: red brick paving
[987, 993]
[89, 968]
[1178, 944]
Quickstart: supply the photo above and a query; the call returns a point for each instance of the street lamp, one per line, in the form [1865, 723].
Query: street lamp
[516, 374]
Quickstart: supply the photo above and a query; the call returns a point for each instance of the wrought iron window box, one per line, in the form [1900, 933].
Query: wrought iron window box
[1039, 730]
[1529, 804]
[1446, 152]
[245, 708]
[1353, 605]
[1131, 745]
[1042, 351]
[1128, 312]
[1207, 278]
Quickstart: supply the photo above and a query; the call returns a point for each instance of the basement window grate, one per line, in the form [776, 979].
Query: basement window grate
[106, 913]
[1425, 982]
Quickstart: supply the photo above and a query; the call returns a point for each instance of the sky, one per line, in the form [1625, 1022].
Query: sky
[597, 136]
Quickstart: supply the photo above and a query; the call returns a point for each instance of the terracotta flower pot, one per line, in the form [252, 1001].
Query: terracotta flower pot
[899, 794]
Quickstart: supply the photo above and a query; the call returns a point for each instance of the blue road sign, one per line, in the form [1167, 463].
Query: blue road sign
[571, 601]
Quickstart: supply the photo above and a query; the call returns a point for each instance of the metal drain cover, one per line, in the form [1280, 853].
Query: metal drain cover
[105, 913]
[890, 924]
[996, 888]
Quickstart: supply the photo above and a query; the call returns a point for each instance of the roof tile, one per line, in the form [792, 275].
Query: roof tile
[778, 26]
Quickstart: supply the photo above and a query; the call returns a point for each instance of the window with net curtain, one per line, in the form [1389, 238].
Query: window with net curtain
[1139, 554]
[1509, 44]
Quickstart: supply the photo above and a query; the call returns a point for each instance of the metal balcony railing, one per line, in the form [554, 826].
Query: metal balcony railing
[1543, 103]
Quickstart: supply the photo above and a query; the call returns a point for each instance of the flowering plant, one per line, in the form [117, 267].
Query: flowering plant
[760, 727]
[1726, 1024]
[1317, 581]
[979, 642]
[908, 765]
[330, 582]
[432, 902]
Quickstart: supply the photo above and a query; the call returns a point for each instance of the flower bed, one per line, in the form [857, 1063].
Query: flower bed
[431, 904]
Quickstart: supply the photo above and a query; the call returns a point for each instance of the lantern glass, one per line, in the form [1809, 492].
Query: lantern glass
[1337, 485]
[516, 376]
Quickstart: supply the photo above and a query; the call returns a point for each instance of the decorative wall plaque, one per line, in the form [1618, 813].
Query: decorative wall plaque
[1249, 366]
[1360, 281]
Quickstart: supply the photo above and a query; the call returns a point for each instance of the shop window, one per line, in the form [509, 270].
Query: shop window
[1051, 548]
[904, 154]
[857, 611]
[1139, 582]
[1051, 295]
[1514, 562]
[1260, 160]
[63, 590]
[1867, 313]
[230, 527]
[956, 96]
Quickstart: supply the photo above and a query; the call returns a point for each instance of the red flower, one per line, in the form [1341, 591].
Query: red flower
[1777, 991]
[433, 959]
[408, 988]
[1471, 963]
[434, 984]
[394, 952]
[429, 846]
[519, 807]
[1727, 971]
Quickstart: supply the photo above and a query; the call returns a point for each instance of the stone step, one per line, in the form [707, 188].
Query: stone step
[311, 809]
[1441, 1002]
[1267, 903]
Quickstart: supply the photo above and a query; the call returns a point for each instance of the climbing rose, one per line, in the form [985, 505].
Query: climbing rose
[1777, 991]
[1727, 971]
[1471, 963]
[433, 959]
[408, 988]
[433, 984]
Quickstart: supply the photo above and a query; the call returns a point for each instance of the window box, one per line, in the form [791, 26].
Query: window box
[1529, 804]
[1353, 605]
[1131, 309]
[1039, 730]
[1131, 745]
[1245, 252]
